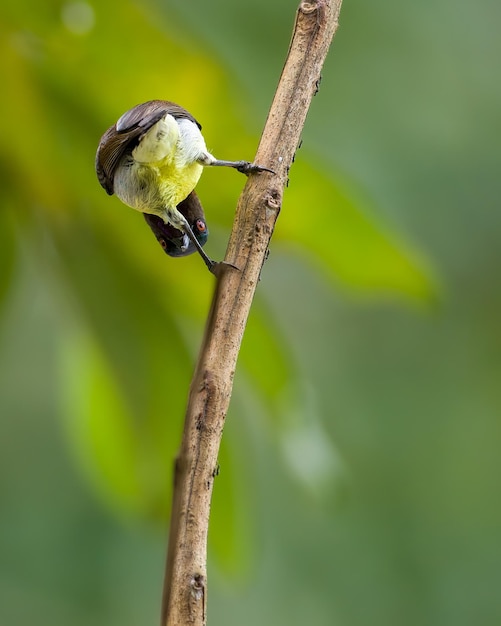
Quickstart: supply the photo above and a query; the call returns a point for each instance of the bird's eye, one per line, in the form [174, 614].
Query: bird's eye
[163, 243]
[201, 226]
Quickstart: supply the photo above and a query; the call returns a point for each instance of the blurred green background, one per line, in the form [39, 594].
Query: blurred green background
[360, 472]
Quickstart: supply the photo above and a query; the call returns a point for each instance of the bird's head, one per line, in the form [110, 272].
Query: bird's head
[173, 241]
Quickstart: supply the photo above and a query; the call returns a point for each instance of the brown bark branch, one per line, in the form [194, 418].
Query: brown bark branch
[185, 586]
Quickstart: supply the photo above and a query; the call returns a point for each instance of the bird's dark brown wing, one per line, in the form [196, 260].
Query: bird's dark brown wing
[146, 114]
[124, 136]
[111, 149]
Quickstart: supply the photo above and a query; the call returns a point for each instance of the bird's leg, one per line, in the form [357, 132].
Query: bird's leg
[209, 262]
[175, 218]
[245, 167]
[213, 266]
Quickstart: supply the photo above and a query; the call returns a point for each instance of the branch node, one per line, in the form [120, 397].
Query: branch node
[197, 584]
[308, 7]
[274, 199]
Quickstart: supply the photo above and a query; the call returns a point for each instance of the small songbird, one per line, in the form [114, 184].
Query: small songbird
[152, 159]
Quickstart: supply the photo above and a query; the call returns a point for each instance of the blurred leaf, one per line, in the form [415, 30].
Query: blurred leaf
[231, 532]
[99, 424]
[7, 252]
[264, 354]
[148, 362]
[130, 303]
[309, 452]
[409, 107]
[342, 237]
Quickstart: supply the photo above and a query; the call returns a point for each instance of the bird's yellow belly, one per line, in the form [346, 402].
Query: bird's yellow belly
[175, 184]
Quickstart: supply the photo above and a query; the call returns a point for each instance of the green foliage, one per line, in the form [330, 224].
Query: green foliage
[343, 239]
[127, 363]
[7, 253]
[360, 463]
[100, 426]
[131, 318]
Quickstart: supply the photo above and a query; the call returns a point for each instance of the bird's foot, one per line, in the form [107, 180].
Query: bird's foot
[218, 267]
[245, 167]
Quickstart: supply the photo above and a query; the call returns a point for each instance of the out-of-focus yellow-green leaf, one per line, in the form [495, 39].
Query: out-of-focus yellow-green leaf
[147, 362]
[343, 238]
[128, 363]
[7, 252]
[99, 423]
[264, 354]
[231, 531]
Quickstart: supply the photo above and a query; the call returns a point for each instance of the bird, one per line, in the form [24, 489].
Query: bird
[173, 241]
[152, 159]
